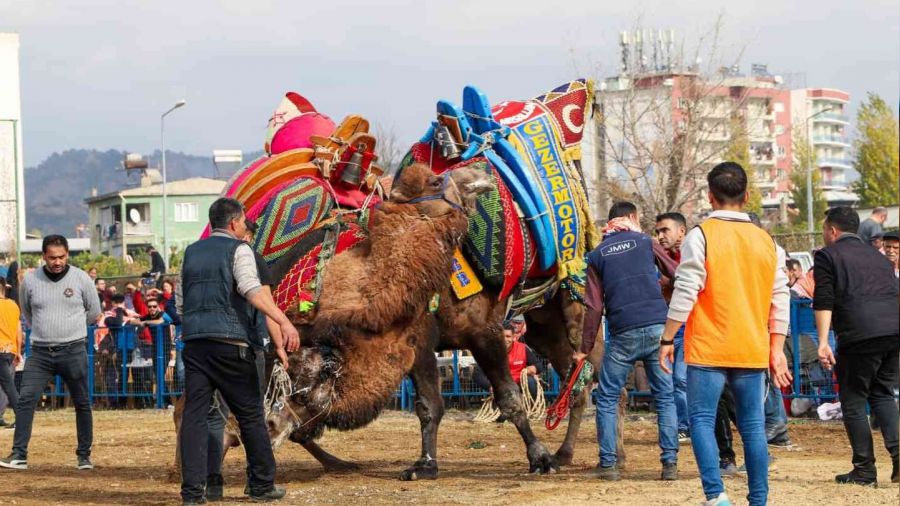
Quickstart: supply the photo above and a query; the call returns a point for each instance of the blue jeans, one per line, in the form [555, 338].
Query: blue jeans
[704, 387]
[679, 380]
[775, 414]
[622, 351]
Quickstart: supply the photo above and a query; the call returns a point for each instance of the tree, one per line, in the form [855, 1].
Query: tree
[804, 160]
[738, 151]
[664, 130]
[876, 153]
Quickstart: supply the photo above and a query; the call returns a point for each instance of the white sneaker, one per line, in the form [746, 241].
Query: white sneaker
[14, 462]
[722, 500]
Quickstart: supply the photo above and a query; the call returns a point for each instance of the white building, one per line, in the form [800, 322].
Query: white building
[12, 179]
[822, 112]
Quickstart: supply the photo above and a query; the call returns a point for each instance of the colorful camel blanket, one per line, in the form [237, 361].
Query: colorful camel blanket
[547, 132]
[296, 292]
[287, 213]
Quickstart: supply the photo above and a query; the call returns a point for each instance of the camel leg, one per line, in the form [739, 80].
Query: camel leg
[328, 461]
[430, 410]
[490, 353]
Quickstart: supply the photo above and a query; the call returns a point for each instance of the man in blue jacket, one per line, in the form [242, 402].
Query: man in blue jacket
[623, 278]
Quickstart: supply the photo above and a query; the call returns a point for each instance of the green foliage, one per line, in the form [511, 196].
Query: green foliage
[108, 266]
[876, 153]
[804, 158]
[738, 150]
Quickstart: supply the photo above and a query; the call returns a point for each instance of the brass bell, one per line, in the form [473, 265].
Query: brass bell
[352, 174]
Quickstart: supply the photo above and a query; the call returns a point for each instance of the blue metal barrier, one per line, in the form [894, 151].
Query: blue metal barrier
[114, 374]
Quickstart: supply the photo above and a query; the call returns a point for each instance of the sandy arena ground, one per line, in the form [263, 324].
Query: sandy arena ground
[133, 451]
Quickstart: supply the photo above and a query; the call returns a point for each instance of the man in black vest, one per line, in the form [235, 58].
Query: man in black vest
[623, 278]
[857, 292]
[220, 287]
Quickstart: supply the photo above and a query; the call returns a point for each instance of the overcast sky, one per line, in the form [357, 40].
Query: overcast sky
[98, 74]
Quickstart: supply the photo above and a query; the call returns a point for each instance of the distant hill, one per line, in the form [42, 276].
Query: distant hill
[56, 188]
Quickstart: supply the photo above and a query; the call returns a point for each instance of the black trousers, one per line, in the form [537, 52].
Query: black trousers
[218, 416]
[725, 415]
[230, 369]
[8, 379]
[872, 378]
[70, 362]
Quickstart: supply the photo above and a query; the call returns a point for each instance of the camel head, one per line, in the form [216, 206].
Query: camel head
[436, 195]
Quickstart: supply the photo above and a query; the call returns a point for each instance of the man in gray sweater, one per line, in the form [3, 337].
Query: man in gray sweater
[58, 302]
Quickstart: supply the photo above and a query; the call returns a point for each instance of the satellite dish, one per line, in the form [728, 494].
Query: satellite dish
[135, 216]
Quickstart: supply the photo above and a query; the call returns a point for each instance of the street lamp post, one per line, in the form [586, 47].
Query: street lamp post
[809, 193]
[162, 141]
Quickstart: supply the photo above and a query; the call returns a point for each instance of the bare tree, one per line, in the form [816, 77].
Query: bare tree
[389, 149]
[664, 127]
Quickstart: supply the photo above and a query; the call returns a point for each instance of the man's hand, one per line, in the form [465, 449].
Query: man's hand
[778, 366]
[279, 351]
[577, 356]
[826, 356]
[291, 336]
[531, 370]
[17, 359]
[666, 357]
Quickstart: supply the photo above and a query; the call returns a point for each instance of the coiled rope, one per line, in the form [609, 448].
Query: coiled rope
[534, 406]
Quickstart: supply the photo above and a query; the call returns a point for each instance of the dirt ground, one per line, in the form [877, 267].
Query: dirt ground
[133, 452]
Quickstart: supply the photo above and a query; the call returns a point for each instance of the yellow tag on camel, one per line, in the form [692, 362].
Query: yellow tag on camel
[463, 279]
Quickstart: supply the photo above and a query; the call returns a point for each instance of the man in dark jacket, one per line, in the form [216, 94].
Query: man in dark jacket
[623, 278]
[856, 293]
[220, 287]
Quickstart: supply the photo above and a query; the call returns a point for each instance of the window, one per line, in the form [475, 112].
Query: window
[781, 152]
[780, 174]
[186, 211]
[682, 103]
[779, 107]
[779, 129]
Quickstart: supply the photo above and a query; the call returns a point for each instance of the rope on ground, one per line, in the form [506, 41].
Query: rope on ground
[534, 406]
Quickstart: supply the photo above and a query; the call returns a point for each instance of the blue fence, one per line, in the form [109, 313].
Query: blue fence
[140, 367]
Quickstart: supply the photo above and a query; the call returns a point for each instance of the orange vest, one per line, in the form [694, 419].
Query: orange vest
[728, 326]
[517, 358]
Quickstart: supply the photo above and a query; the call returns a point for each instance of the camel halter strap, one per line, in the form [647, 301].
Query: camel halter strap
[437, 196]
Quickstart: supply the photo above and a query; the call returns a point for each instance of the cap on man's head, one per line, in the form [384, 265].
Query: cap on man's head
[518, 319]
[877, 235]
[891, 236]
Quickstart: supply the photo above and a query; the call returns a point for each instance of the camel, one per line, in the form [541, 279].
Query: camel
[371, 322]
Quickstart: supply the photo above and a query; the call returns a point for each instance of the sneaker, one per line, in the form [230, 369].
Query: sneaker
[772, 466]
[275, 494]
[722, 500]
[669, 472]
[85, 464]
[10, 426]
[14, 462]
[684, 436]
[895, 473]
[781, 442]
[727, 468]
[608, 473]
[852, 478]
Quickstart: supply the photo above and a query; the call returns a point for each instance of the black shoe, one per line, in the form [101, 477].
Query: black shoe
[610, 473]
[215, 488]
[684, 436]
[669, 472]
[14, 462]
[191, 502]
[782, 441]
[895, 473]
[852, 478]
[728, 468]
[85, 464]
[276, 493]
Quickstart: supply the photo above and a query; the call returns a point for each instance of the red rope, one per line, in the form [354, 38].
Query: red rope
[559, 409]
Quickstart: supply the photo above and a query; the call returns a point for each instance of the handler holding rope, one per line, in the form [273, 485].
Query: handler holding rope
[220, 285]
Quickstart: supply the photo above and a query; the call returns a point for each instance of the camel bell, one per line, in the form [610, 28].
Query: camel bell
[352, 170]
[449, 149]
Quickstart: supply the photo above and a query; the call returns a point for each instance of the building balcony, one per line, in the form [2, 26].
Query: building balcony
[837, 140]
[836, 162]
[831, 117]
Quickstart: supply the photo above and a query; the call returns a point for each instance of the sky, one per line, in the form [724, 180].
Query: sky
[98, 74]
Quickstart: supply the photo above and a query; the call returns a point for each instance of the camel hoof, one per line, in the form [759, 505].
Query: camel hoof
[540, 461]
[563, 458]
[424, 470]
